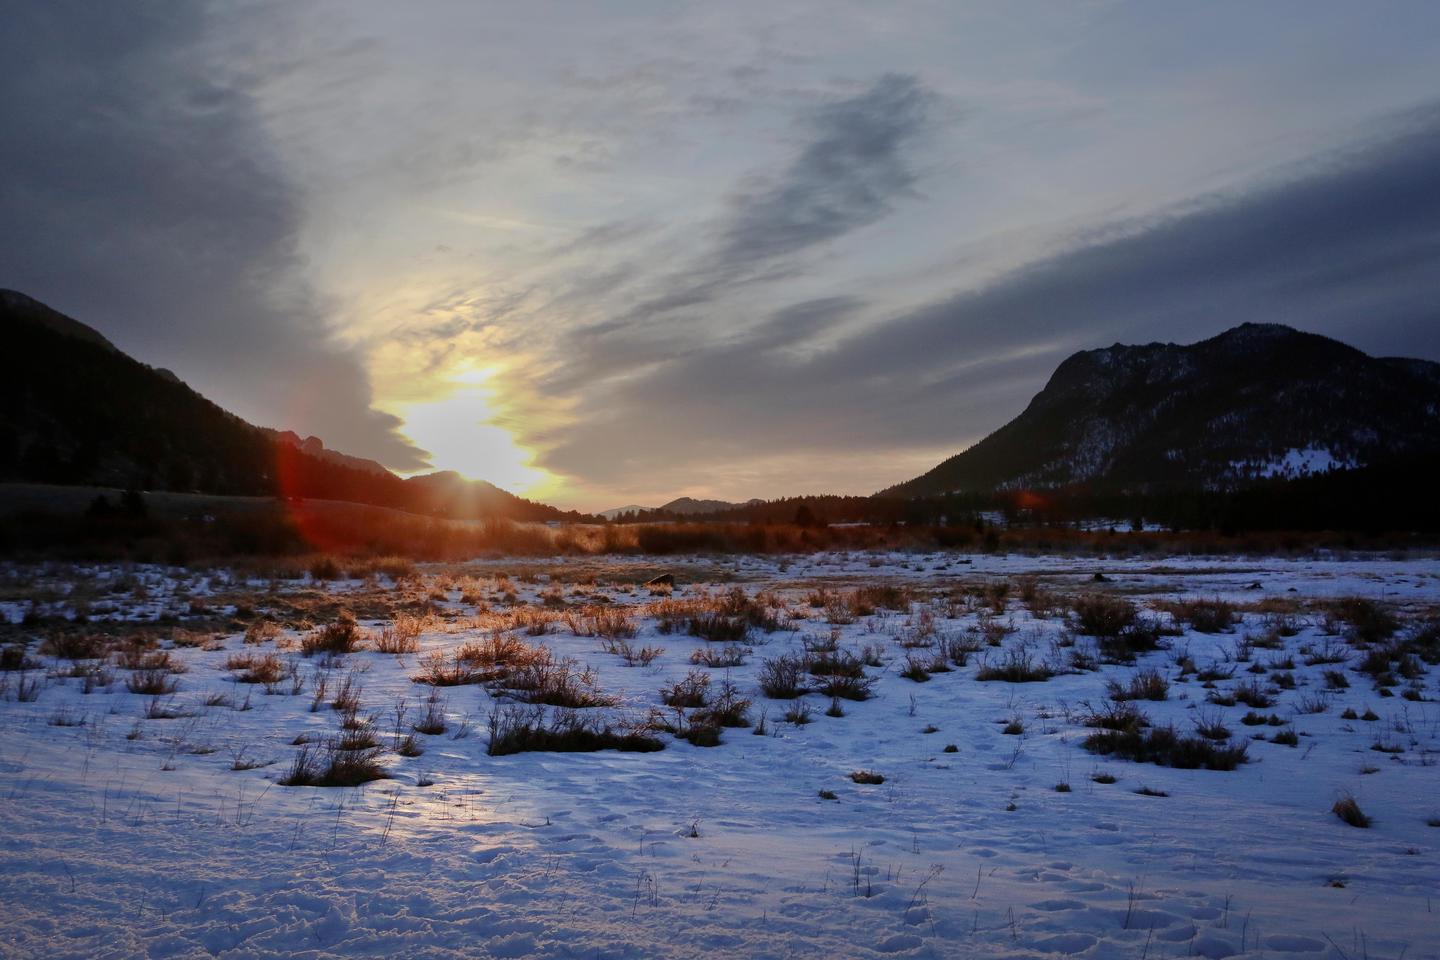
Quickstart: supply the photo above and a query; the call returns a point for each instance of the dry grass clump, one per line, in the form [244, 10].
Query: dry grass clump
[727, 708]
[916, 669]
[519, 729]
[1204, 615]
[1347, 808]
[1017, 666]
[439, 670]
[1115, 622]
[137, 654]
[1165, 747]
[608, 624]
[782, 677]
[730, 655]
[919, 632]
[842, 687]
[865, 601]
[1101, 615]
[75, 646]
[1116, 715]
[673, 615]
[1252, 695]
[266, 669]
[492, 658]
[181, 637]
[401, 636]
[14, 658]
[1211, 726]
[632, 655]
[347, 696]
[957, 648]
[334, 764]
[262, 631]
[867, 777]
[1362, 621]
[151, 683]
[834, 663]
[556, 683]
[1120, 631]
[728, 618]
[1331, 652]
[532, 621]
[1423, 640]
[324, 567]
[340, 637]
[1141, 637]
[691, 691]
[1145, 685]
[432, 722]
[799, 713]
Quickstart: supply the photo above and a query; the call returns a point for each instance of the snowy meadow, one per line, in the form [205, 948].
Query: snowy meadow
[839, 755]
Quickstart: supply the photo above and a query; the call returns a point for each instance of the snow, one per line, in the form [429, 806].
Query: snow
[1295, 462]
[155, 847]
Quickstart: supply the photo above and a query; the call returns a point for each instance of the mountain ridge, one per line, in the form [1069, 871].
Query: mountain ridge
[64, 425]
[1255, 401]
[681, 506]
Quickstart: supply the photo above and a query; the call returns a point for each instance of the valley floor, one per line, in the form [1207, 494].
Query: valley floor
[130, 832]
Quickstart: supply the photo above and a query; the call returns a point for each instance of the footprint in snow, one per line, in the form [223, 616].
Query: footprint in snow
[1057, 905]
[1212, 947]
[1085, 886]
[1288, 944]
[1064, 943]
[899, 942]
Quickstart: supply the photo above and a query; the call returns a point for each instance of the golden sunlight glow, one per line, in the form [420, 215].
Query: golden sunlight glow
[461, 433]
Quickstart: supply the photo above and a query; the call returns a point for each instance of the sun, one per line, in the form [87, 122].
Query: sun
[461, 433]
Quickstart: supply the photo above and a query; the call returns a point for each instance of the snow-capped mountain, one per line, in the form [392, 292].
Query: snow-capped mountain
[1258, 401]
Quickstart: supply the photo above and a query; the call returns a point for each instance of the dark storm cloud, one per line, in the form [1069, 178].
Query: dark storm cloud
[847, 176]
[1349, 247]
[140, 195]
[850, 168]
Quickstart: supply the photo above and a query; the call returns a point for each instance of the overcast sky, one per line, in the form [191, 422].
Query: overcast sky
[615, 253]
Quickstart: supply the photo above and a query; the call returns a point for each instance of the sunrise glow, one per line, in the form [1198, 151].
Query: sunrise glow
[463, 432]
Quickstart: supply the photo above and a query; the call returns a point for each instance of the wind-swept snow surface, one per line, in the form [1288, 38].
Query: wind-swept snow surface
[153, 825]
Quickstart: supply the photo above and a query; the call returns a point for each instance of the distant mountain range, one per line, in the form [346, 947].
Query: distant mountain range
[1258, 406]
[681, 507]
[77, 410]
[1260, 401]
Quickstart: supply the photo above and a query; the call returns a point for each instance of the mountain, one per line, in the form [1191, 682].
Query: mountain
[315, 447]
[77, 410]
[614, 512]
[448, 494]
[681, 507]
[688, 506]
[16, 306]
[1258, 401]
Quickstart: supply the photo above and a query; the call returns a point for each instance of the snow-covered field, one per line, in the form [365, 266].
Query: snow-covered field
[139, 825]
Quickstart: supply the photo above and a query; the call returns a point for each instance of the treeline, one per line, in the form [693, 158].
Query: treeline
[80, 414]
[356, 531]
[1394, 497]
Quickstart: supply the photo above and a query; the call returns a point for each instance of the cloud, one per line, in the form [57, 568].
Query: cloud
[1347, 245]
[847, 176]
[851, 167]
[142, 196]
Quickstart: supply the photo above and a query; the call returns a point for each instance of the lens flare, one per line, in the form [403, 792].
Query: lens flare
[463, 433]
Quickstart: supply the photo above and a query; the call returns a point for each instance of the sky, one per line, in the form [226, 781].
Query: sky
[614, 253]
